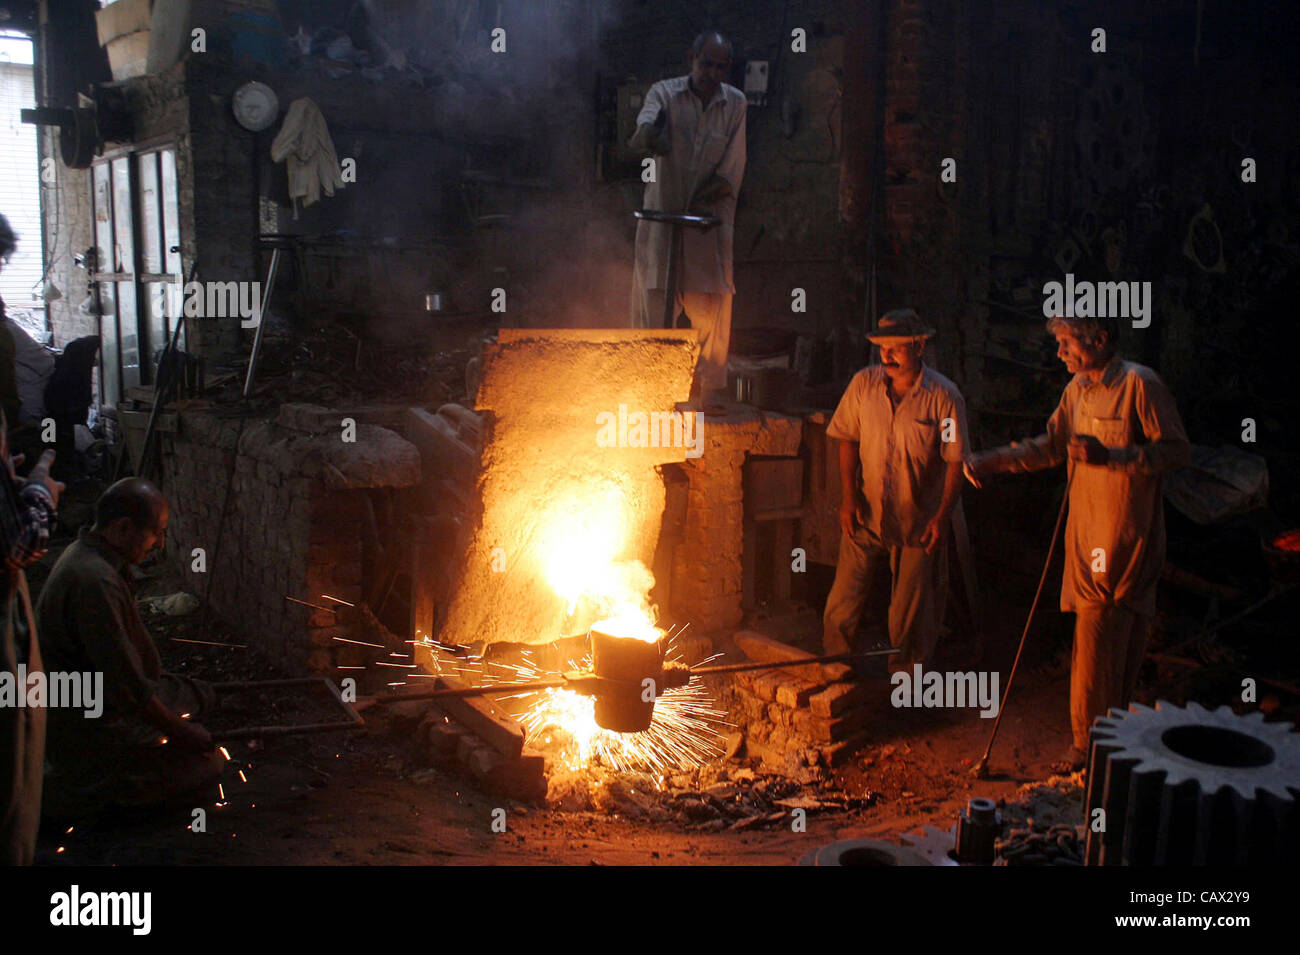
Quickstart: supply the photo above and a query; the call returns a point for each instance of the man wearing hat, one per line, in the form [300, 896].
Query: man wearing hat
[1117, 429]
[901, 428]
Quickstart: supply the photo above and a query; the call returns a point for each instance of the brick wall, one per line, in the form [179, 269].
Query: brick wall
[293, 526]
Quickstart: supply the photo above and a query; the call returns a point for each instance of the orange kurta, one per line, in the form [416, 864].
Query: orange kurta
[1115, 536]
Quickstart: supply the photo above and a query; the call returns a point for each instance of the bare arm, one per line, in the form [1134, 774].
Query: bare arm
[1034, 454]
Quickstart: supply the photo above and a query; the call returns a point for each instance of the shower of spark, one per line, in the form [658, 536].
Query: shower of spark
[687, 730]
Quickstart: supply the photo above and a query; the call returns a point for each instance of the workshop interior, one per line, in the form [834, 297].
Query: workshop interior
[571, 432]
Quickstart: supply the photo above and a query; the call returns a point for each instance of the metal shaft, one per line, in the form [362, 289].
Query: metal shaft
[833, 658]
[592, 683]
[261, 320]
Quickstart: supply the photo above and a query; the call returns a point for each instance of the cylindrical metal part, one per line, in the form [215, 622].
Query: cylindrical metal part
[629, 662]
[977, 830]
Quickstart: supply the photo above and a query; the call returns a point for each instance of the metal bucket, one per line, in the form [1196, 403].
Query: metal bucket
[629, 662]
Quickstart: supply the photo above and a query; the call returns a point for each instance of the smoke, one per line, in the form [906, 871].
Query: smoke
[565, 248]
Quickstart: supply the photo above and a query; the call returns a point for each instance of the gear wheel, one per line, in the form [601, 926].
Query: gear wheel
[937, 845]
[866, 852]
[1191, 786]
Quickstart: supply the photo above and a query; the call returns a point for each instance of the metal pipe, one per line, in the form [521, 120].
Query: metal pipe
[832, 658]
[261, 315]
[592, 684]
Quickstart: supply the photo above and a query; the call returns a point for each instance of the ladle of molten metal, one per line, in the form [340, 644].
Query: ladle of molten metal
[626, 678]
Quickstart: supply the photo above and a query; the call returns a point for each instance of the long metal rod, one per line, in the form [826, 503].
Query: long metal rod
[670, 292]
[982, 765]
[353, 719]
[833, 658]
[261, 319]
[489, 690]
[493, 689]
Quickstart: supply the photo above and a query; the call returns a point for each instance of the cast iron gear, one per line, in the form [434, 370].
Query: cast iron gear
[1191, 786]
[865, 852]
[937, 845]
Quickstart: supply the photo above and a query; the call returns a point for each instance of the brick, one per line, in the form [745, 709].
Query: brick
[443, 739]
[794, 692]
[778, 715]
[765, 684]
[480, 716]
[836, 698]
[833, 730]
[763, 649]
[522, 778]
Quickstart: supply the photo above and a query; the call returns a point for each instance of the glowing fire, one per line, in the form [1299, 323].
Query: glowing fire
[687, 729]
[582, 554]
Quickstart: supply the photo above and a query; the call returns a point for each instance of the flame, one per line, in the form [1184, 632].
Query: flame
[582, 551]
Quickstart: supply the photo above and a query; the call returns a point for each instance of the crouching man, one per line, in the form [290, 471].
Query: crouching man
[145, 749]
[1117, 430]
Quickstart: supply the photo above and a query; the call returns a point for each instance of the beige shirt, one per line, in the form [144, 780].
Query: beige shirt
[903, 450]
[1117, 518]
[704, 140]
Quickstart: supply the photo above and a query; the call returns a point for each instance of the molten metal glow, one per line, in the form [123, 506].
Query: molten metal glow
[582, 554]
[686, 731]
[633, 624]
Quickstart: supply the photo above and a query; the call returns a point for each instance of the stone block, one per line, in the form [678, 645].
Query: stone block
[830, 730]
[836, 698]
[794, 693]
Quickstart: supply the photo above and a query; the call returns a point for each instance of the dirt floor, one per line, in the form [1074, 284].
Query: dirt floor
[352, 800]
[368, 798]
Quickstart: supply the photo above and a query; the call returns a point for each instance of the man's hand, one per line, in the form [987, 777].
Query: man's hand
[971, 468]
[652, 138]
[853, 514]
[192, 736]
[709, 192]
[934, 531]
[1086, 448]
[41, 475]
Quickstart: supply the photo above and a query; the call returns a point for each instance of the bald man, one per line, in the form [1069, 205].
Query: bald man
[145, 749]
[695, 127]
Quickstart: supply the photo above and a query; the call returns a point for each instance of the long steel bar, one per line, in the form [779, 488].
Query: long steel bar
[589, 683]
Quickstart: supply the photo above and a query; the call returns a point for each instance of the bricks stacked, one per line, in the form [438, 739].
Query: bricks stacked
[798, 716]
[447, 744]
